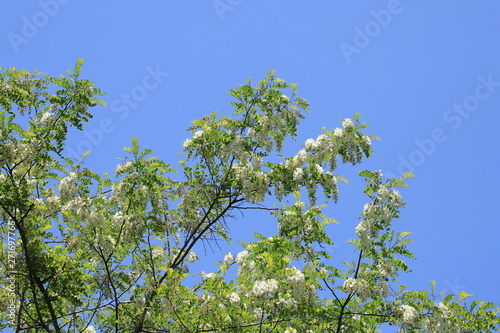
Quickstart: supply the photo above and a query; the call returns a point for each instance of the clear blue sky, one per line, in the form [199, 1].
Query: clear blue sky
[425, 75]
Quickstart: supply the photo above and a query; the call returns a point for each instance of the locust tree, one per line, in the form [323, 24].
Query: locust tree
[112, 252]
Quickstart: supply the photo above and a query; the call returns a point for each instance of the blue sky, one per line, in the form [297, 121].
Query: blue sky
[425, 75]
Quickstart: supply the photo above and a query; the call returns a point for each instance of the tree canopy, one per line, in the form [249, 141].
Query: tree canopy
[89, 252]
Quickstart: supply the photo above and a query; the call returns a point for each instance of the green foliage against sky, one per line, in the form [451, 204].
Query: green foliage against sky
[111, 252]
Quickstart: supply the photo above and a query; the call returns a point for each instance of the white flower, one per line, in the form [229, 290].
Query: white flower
[3, 177]
[157, 253]
[383, 191]
[96, 219]
[67, 185]
[321, 139]
[258, 313]
[234, 298]
[296, 278]
[362, 228]
[192, 256]
[208, 276]
[409, 314]
[300, 158]
[89, 329]
[186, 143]
[310, 144]
[257, 161]
[290, 330]
[349, 285]
[123, 167]
[118, 218]
[241, 257]
[261, 288]
[367, 140]
[385, 268]
[53, 202]
[197, 135]
[284, 98]
[443, 308]
[319, 168]
[347, 123]
[228, 258]
[297, 174]
[396, 198]
[47, 118]
[288, 302]
[337, 132]
[369, 210]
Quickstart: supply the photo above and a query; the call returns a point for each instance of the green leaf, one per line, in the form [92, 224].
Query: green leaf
[404, 234]
[464, 295]
[366, 173]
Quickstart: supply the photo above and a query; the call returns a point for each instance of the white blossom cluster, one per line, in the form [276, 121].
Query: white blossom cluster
[409, 314]
[118, 191]
[393, 196]
[105, 243]
[245, 265]
[192, 256]
[89, 329]
[19, 150]
[346, 123]
[363, 231]
[79, 205]
[228, 259]
[373, 211]
[287, 301]
[67, 185]
[440, 321]
[47, 119]
[7, 152]
[158, 253]
[234, 298]
[385, 268]
[264, 287]
[360, 287]
[298, 160]
[296, 279]
[123, 167]
[209, 276]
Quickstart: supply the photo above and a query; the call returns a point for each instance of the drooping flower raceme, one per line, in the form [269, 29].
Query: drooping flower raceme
[46, 119]
[347, 123]
[67, 185]
[409, 314]
[234, 298]
[261, 288]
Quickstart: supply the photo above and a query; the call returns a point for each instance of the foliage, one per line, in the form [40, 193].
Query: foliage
[83, 251]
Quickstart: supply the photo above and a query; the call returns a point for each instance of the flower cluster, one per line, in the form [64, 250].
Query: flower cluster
[228, 259]
[47, 119]
[440, 321]
[261, 288]
[296, 280]
[67, 185]
[363, 230]
[409, 314]
[234, 298]
[209, 276]
[245, 265]
[124, 167]
[360, 287]
[346, 123]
